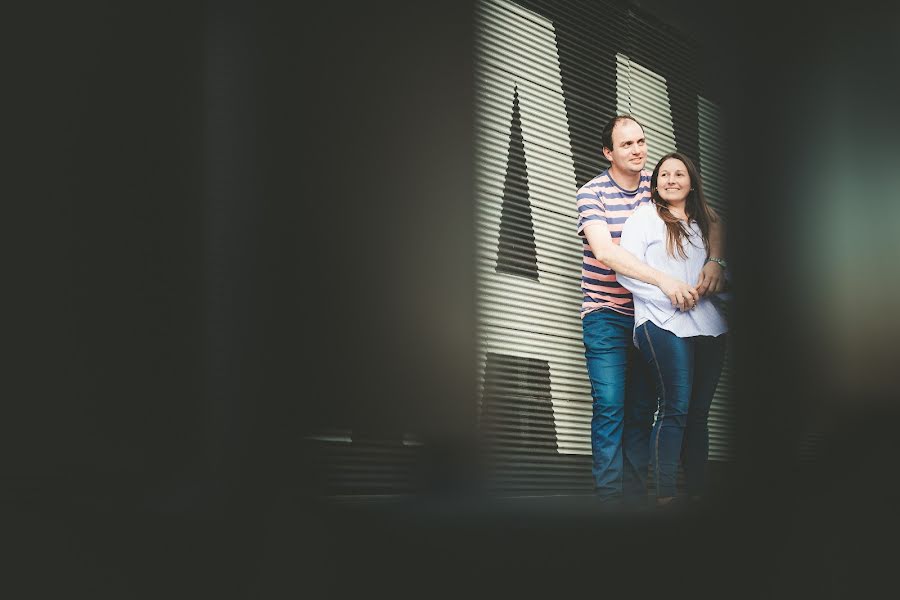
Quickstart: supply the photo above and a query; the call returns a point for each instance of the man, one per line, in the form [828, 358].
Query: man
[622, 389]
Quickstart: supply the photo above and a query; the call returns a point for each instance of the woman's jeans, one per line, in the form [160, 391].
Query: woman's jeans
[686, 371]
[623, 403]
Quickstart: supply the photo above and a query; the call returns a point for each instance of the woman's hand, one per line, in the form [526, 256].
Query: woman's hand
[681, 295]
[712, 279]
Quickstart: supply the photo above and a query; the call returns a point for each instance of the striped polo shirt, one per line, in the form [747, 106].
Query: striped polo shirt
[601, 199]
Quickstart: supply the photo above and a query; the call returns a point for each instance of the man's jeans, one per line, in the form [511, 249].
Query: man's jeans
[624, 401]
[686, 373]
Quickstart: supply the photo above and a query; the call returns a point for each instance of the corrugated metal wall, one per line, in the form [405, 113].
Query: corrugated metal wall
[548, 77]
[549, 74]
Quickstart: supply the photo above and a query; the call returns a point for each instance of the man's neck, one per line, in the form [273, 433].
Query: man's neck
[625, 179]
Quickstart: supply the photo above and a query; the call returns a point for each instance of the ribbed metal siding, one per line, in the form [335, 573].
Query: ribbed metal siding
[544, 91]
[712, 158]
[344, 464]
[533, 381]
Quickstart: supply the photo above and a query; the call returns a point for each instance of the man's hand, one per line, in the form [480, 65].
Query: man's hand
[712, 279]
[683, 296]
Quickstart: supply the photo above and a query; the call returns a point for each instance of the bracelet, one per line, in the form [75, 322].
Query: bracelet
[719, 261]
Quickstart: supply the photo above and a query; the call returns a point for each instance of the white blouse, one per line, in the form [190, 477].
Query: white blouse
[644, 235]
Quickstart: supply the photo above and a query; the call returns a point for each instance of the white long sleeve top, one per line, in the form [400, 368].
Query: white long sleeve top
[644, 235]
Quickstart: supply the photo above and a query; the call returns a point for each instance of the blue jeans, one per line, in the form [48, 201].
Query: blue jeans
[623, 404]
[686, 371]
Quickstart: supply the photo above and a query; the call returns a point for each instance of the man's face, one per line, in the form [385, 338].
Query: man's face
[629, 151]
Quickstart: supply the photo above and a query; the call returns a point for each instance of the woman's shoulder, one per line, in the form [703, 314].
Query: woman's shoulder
[645, 213]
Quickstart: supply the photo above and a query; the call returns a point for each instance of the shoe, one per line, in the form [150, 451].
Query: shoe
[676, 504]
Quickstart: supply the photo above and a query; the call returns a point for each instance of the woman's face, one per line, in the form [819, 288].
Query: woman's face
[673, 182]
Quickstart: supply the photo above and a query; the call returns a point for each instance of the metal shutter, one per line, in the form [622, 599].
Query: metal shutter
[712, 157]
[548, 77]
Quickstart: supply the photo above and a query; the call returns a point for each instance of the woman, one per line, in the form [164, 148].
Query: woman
[685, 350]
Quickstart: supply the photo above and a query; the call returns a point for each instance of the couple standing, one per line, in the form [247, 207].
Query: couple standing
[654, 340]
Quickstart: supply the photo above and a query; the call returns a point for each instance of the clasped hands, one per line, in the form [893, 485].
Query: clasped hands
[685, 297]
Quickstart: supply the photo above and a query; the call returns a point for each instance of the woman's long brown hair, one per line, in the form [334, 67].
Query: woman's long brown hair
[695, 208]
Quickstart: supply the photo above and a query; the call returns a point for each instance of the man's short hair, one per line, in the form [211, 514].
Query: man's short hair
[606, 136]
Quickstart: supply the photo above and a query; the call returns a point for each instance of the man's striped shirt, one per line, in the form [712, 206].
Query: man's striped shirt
[601, 200]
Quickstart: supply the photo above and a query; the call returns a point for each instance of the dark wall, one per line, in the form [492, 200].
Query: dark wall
[234, 224]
